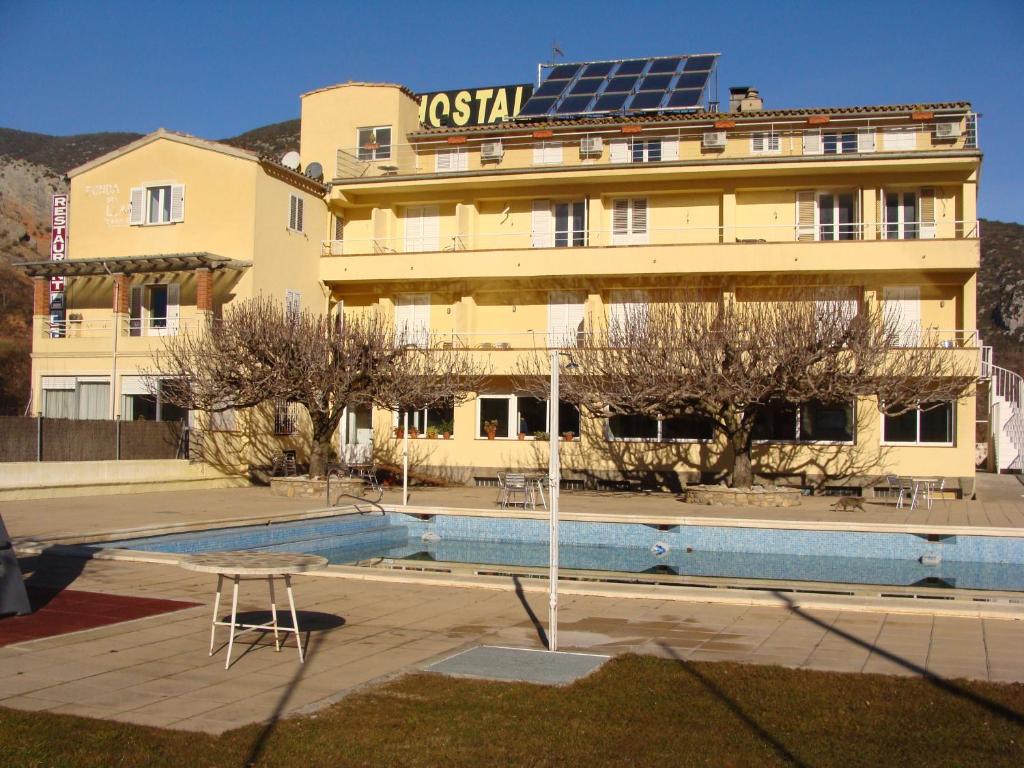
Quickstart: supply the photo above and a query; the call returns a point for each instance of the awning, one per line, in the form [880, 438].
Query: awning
[130, 265]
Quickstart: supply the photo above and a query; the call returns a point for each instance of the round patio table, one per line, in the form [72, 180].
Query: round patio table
[239, 566]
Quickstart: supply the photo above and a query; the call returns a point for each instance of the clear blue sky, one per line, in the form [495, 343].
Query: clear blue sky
[216, 69]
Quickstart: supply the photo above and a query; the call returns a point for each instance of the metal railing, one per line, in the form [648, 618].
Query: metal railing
[586, 148]
[1007, 393]
[105, 328]
[689, 235]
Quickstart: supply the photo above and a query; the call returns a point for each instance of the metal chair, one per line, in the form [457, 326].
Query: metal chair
[897, 487]
[501, 488]
[516, 485]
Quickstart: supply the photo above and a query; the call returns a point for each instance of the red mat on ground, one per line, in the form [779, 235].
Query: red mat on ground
[70, 610]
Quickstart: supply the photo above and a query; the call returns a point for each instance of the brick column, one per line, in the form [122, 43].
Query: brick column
[204, 290]
[122, 293]
[40, 296]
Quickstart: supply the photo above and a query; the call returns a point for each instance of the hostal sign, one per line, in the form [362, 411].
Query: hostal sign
[473, 106]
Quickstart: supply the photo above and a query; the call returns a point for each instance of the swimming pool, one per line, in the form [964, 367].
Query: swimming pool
[845, 557]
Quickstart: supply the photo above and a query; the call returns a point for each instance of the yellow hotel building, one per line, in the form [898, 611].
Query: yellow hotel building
[503, 238]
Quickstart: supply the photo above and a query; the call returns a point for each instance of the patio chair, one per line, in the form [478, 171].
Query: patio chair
[516, 485]
[908, 489]
[895, 487]
[501, 488]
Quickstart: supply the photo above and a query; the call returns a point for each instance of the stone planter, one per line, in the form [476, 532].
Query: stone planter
[758, 496]
[300, 487]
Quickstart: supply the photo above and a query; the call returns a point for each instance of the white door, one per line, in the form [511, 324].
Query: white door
[902, 308]
[356, 436]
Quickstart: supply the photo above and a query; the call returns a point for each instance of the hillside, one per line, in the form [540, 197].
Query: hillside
[32, 167]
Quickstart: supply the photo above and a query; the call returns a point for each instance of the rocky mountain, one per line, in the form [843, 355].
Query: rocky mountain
[33, 165]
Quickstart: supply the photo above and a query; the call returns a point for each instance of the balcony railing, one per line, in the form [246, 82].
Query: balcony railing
[105, 328]
[651, 147]
[689, 235]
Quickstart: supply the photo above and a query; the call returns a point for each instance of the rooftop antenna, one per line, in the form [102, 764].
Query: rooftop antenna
[556, 51]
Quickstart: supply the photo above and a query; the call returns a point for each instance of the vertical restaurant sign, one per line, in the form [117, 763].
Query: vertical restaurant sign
[58, 252]
[473, 106]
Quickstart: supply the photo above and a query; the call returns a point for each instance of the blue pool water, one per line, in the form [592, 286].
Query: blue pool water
[969, 562]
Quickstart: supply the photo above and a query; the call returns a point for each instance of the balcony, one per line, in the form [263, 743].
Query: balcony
[653, 146]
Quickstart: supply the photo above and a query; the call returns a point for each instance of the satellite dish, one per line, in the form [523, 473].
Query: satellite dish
[315, 171]
[290, 160]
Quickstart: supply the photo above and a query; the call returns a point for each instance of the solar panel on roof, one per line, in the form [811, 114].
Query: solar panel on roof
[598, 69]
[664, 65]
[587, 86]
[536, 107]
[633, 67]
[573, 104]
[632, 85]
[564, 72]
[551, 88]
[684, 99]
[610, 102]
[699, 64]
[655, 82]
[647, 100]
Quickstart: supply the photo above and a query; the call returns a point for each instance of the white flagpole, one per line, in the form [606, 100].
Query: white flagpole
[405, 459]
[554, 483]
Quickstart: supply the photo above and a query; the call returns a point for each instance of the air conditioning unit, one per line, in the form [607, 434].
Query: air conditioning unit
[591, 145]
[491, 150]
[947, 130]
[713, 140]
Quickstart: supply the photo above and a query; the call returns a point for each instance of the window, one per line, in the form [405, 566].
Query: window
[412, 319]
[439, 417]
[765, 142]
[153, 310]
[422, 229]
[547, 153]
[338, 230]
[284, 417]
[637, 427]
[139, 404]
[629, 221]
[838, 142]
[624, 306]
[523, 413]
[157, 204]
[643, 150]
[897, 139]
[901, 216]
[811, 422]
[374, 143]
[837, 216]
[559, 225]
[295, 204]
[76, 397]
[292, 305]
[454, 159]
[565, 318]
[930, 424]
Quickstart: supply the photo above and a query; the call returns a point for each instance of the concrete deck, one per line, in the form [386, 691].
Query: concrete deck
[156, 671]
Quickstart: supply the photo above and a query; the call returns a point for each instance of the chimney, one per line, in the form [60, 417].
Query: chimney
[745, 98]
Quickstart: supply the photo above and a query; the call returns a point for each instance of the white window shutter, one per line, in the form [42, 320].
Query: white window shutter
[177, 203]
[543, 224]
[565, 318]
[461, 160]
[421, 319]
[553, 152]
[670, 149]
[927, 214]
[538, 153]
[431, 228]
[443, 160]
[413, 229]
[806, 216]
[137, 214]
[902, 311]
[757, 142]
[404, 315]
[866, 139]
[639, 223]
[618, 151]
[620, 222]
[812, 143]
[173, 307]
[339, 228]
[292, 211]
[299, 204]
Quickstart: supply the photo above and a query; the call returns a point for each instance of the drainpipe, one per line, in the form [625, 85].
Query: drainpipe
[116, 332]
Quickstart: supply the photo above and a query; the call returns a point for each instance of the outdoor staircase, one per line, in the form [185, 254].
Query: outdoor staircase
[1006, 414]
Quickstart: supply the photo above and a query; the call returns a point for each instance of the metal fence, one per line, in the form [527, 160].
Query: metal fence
[41, 439]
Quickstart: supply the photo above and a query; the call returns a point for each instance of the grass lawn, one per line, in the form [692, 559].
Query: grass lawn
[634, 711]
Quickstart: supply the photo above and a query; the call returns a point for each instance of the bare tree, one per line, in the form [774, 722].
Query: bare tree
[729, 361]
[259, 353]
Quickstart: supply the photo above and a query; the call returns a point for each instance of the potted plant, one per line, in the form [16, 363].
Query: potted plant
[491, 428]
[399, 433]
[522, 435]
[568, 436]
[431, 433]
[446, 429]
[538, 435]
[414, 432]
